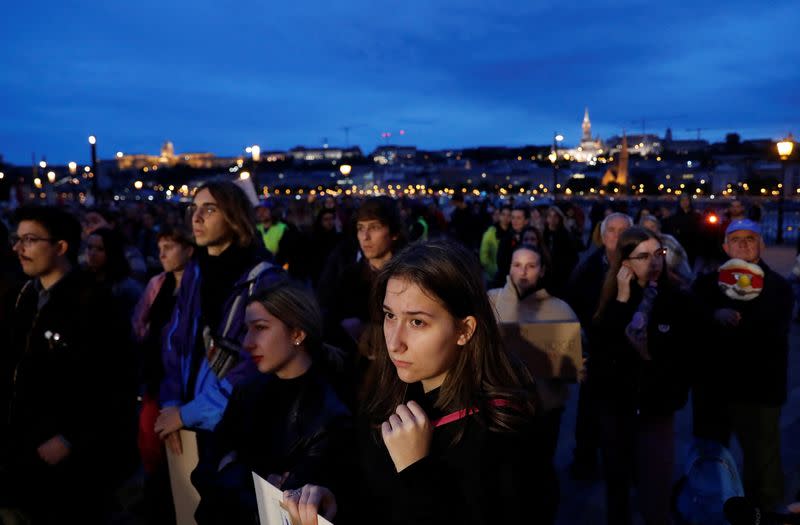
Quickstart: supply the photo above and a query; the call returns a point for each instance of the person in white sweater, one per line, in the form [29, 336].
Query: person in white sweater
[524, 299]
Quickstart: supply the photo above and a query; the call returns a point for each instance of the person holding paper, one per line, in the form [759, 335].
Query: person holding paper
[226, 268]
[448, 433]
[286, 424]
[525, 300]
[644, 330]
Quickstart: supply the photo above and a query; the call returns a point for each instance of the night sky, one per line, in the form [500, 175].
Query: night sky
[211, 77]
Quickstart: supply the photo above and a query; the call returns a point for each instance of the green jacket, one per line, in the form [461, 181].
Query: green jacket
[490, 243]
[272, 236]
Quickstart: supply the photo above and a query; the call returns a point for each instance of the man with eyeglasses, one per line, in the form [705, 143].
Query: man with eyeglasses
[73, 403]
[742, 375]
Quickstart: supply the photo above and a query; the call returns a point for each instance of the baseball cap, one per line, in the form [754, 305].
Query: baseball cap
[743, 224]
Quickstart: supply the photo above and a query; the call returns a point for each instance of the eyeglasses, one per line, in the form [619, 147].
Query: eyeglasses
[658, 254]
[206, 210]
[27, 240]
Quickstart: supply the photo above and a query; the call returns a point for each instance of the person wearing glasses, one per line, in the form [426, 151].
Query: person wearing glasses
[69, 441]
[643, 336]
[742, 379]
[228, 265]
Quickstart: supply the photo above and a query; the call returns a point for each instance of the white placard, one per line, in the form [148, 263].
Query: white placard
[270, 507]
[184, 496]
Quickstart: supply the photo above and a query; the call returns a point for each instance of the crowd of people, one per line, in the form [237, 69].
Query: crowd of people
[351, 352]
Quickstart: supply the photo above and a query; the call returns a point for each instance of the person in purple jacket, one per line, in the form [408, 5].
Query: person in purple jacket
[229, 265]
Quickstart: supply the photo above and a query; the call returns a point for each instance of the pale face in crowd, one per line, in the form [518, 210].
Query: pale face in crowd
[646, 261]
[745, 245]
[209, 226]
[95, 253]
[93, 221]
[38, 254]
[553, 220]
[736, 210]
[422, 337]
[374, 238]
[518, 220]
[504, 218]
[526, 270]
[173, 255]
[273, 346]
[614, 228]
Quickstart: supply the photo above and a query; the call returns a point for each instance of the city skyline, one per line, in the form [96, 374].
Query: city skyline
[212, 78]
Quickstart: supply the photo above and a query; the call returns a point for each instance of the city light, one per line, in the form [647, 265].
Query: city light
[244, 175]
[51, 176]
[87, 169]
[559, 137]
[42, 164]
[785, 147]
[73, 167]
[345, 169]
[119, 155]
[255, 151]
[37, 182]
[138, 185]
[92, 140]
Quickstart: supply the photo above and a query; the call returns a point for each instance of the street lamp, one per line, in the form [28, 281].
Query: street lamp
[51, 177]
[345, 169]
[93, 145]
[785, 148]
[557, 137]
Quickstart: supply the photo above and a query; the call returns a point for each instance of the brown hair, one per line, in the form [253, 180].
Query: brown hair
[296, 307]
[483, 371]
[628, 241]
[178, 234]
[236, 209]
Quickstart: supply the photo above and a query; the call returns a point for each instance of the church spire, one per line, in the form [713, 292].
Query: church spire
[587, 127]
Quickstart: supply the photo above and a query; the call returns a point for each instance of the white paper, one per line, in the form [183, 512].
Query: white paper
[184, 496]
[270, 508]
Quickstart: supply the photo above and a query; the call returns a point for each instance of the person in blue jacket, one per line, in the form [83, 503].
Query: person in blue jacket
[229, 265]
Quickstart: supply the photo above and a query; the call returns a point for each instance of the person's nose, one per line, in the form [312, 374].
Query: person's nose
[395, 339]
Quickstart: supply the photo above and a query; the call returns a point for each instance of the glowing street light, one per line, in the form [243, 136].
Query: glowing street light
[92, 140]
[51, 176]
[785, 148]
[244, 175]
[345, 169]
[43, 164]
[255, 151]
[73, 167]
[138, 185]
[119, 154]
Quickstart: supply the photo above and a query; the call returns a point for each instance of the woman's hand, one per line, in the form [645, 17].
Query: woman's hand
[305, 503]
[168, 421]
[624, 277]
[407, 435]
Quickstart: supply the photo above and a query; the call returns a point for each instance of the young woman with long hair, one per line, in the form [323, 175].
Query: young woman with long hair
[287, 423]
[447, 430]
[639, 370]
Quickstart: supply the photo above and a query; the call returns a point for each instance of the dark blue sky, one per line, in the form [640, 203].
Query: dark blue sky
[217, 76]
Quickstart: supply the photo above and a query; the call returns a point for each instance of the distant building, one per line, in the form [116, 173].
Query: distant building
[590, 147]
[303, 154]
[394, 154]
[683, 147]
[169, 159]
[638, 144]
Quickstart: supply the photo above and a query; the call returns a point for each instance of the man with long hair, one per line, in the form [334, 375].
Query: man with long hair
[228, 266]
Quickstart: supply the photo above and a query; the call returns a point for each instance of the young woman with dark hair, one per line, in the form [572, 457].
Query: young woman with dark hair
[447, 430]
[639, 369]
[287, 423]
[105, 259]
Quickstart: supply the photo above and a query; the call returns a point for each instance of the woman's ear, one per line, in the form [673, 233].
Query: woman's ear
[297, 337]
[468, 325]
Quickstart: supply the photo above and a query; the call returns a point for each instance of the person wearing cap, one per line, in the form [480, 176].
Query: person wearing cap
[741, 379]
